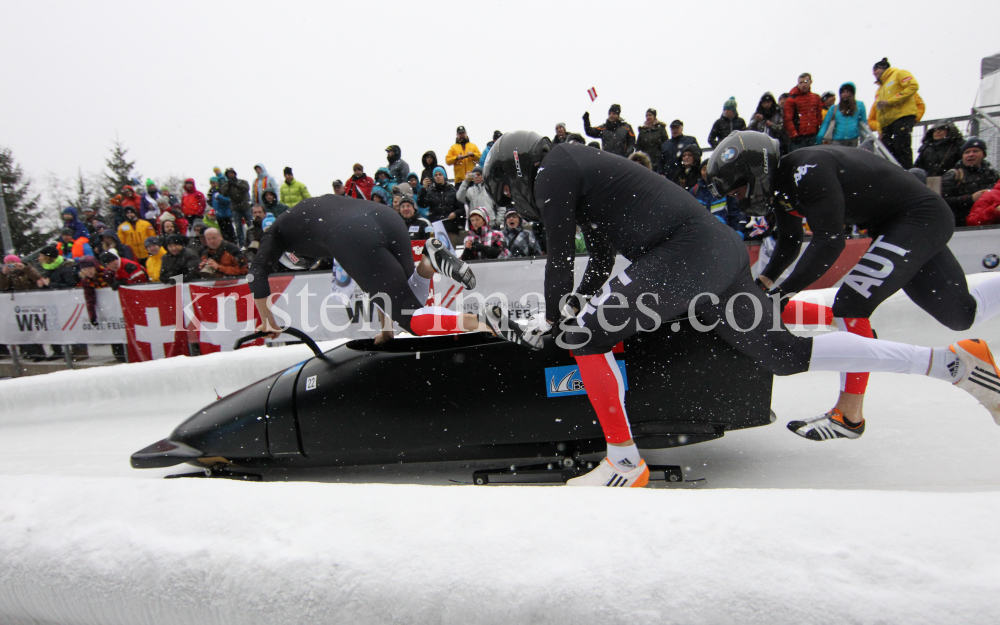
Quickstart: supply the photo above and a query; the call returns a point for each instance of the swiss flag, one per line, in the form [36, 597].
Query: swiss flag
[224, 311]
[151, 327]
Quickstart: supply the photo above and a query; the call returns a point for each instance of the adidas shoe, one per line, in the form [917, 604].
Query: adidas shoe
[981, 379]
[511, 330]
[447, 264]
[827, 427]
[607, 475]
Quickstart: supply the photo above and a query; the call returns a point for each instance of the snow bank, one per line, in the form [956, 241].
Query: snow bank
[129, 552]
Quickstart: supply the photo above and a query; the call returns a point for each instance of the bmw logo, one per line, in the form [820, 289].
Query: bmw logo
[990, 261]
[728, 155]
[17, 309]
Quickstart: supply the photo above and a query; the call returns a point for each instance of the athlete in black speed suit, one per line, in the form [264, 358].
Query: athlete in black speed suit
[833, 187]
[683, 261]
[371, 243]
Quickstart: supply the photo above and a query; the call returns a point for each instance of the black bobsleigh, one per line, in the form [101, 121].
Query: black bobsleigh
[466, 397]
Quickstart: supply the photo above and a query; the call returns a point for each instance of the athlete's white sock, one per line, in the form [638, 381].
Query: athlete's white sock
[624, 458]
[946, 365]
[987, 295]
[843, 351]
[420, 286]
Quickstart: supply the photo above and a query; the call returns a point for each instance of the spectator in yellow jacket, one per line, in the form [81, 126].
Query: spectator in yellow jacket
[463, 156]
[293, 191]
[155, 259]
[873, 114]
[896, 108]
[133, 232]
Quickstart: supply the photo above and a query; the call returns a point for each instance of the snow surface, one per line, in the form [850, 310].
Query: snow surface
[896, 527]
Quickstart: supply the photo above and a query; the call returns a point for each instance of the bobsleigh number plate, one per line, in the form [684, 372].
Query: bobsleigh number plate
[565, 381]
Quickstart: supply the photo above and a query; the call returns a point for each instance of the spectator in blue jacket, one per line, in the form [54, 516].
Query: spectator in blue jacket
[383, 179]
[71, 221]
[223, 212]
[846, 118]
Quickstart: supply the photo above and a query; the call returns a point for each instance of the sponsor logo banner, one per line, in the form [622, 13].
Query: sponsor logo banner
[565, 381]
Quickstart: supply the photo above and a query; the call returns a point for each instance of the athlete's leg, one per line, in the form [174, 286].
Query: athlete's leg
[658, 286]
[940, 288]
[901, 248]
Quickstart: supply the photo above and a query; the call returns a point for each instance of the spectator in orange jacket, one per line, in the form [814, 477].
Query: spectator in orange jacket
[219, 256]
[803, 111]
[193, 203]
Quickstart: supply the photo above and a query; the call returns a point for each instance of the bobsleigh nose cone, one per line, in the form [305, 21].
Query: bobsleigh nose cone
[165, 453]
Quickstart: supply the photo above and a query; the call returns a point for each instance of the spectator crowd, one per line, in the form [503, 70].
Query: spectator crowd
[151, 234]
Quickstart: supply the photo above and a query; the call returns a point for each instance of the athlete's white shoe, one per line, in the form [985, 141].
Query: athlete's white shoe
[827, 427]
[982, 378]
[607, 475]
[447, 264]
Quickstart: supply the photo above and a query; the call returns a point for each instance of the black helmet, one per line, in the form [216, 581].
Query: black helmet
[513, 161]
[745, 158]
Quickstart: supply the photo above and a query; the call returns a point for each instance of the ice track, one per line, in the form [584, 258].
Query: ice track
[897, 527]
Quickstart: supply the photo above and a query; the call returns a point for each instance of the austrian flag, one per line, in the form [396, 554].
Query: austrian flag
[592, 92]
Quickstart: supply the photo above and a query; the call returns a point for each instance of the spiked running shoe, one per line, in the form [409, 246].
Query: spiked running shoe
[981, 379]
[447, 264]
[827, 427]
[607, 475]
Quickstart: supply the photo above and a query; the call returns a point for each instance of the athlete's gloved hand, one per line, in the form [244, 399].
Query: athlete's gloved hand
[532, 330]
[575, 302]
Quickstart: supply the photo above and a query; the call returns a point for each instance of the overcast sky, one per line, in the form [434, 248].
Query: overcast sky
[317, 86]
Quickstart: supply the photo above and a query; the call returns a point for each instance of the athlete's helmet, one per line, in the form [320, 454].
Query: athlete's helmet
[513, 161]
[747, 158]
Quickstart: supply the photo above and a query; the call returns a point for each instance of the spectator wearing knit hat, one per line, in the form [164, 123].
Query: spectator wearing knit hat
[154, 262]
[896, 109]
[483, 242]
[969, 180]
[439, 197]
[419, 228]
[560, 134]
[124, 271]
[842, 125]
[179, 261]
[803, 114]
[727, 124]
[17, 276]
[57, 272]
[616, 134]
[292, 191]
[520, 243]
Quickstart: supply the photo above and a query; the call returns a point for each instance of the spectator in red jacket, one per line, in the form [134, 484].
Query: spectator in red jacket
[131, 198]
[193, 203]
[360, 184]
[124, 271]
[986, 210]
[803, 114]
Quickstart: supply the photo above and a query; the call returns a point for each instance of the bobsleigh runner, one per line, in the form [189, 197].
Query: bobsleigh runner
[467, 397]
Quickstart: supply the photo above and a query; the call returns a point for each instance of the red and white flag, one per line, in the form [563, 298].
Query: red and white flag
[151, 317]
[222, 314]
[592, 92]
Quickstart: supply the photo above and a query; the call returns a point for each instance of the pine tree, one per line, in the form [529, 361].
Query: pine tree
[85, 195]
[119, 171]
[24, 215]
